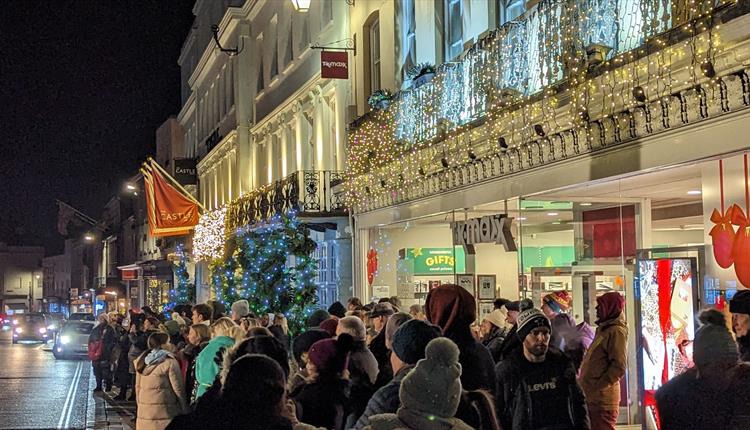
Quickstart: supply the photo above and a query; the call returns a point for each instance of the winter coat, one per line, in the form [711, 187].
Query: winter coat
[385, 400]
[510, 343]
[382, 355]
[604, 364]
[158, 390]
[278, 333]
[323, 403]
[228, 417]
[477, 366]
[209, 361]
[494, 343]
[138, 344]
[362, 362]
[407, 420]
[105, 333]
[121, 364]
[518, 381]
[189, 354]
[706, 403]
[743, 344]
[579, 343]
[363, 373]
[563, 327]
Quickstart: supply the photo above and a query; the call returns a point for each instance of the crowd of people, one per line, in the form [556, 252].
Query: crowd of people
[382, 366]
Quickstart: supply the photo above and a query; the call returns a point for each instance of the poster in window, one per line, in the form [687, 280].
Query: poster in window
[487, 287]
[466, 281]
[485, 308]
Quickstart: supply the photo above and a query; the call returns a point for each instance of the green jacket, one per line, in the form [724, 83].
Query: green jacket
[207, 365]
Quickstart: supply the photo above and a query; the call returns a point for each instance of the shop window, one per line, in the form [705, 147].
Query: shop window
[409, 37]
[375, 55]
[509, 10]
[454, 44]
[260, 84]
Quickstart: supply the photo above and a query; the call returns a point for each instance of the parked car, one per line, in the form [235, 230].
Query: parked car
[32, 326]
[73, 339]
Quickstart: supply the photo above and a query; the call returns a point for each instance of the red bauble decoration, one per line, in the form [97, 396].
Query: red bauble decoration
[722, 237]
[372, 265]
[741, 248]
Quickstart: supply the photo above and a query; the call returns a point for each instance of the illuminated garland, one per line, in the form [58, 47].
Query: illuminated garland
[507, 81]
[272, 267]
[210, 235]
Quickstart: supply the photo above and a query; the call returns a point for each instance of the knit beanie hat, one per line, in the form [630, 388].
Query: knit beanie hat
[451, 307]
[411, 339]
[173, 327]
[433, 387]
[330, 325]
[337, 309]
[317, 317]
[497, 317]
[241, 308]
[304, 341]
[740, 303]
[331, 355]
[558, 301]
[530, 319]
[713, 343]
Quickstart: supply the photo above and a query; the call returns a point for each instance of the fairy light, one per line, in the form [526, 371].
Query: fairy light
[210, 235]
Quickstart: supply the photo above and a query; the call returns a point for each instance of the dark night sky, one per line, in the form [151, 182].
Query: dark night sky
[83, 87]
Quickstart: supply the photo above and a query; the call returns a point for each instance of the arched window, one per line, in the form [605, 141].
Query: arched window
[372, 54]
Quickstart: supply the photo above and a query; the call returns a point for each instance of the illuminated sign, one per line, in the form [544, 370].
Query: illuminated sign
[431, 261]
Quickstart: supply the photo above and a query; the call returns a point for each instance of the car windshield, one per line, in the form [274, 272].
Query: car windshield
[32, 319]
[78, 327]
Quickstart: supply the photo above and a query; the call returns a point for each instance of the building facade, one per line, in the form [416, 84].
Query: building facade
[21, 276]
[265, 127]
[538, 151]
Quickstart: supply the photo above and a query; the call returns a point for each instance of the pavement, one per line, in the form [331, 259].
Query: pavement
[40, 392]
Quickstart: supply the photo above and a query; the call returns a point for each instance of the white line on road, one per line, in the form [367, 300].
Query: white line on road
[69, 399]
[72, 398]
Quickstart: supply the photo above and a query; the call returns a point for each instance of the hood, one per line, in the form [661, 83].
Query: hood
[150, 360]
[610, 305]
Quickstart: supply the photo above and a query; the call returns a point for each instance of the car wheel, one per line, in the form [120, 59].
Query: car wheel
[58, 356]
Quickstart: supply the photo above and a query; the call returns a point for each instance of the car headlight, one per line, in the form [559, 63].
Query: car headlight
[15, 322]
[19, 329]
[42, 330]
[64, 339]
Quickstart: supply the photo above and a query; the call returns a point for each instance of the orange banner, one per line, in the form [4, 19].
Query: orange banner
[170, 212]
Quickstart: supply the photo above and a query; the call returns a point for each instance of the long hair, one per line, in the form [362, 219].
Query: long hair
[202, 330]
[481, 402]
[280, 320]
[223, 327]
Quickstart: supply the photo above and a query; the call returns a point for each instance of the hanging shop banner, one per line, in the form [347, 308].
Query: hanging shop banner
[170, 212]
[334, 64]
[129, 274]
[487, 229]
[185, 171]
[435, 261]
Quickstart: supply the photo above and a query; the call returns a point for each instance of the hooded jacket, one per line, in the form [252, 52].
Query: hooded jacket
[159, 390]
[604, 364]
[208, 363]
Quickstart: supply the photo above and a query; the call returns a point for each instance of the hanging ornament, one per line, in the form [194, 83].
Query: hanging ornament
[722, 235]
[741, 248]
[372, 265]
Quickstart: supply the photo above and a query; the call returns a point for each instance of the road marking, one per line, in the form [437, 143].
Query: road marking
[72, 398]
[69, 399]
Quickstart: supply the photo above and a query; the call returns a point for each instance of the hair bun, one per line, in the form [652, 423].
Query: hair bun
[443, 351]
[712, 316]
[345, 342]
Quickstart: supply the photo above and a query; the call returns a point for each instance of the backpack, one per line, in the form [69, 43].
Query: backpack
[95, 349]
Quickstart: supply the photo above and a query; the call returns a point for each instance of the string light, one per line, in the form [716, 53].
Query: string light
[210, 235]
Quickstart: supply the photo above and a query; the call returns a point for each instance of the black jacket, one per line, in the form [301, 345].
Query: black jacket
[477, 366]
[382, 355]
[494, 343]
[223, 416]
[105, 333]
[323, 403]
[121, 364]
[513, 399]
[510, 343]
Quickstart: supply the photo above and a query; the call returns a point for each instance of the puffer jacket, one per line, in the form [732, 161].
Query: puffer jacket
[159, 390]
[604, 364]
[209, 361]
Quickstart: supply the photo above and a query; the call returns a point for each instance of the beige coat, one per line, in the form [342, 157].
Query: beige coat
[604, 364]
[159, 393]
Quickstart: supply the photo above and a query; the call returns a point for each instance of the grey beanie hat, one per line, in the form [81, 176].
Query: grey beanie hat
[412, 338]
[433, 387]
[241, 308]
[713, 343]
[530, 319]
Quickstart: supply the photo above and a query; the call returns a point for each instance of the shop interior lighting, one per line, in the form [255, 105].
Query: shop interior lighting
[694, 192]
[552, 214]
[585, 204]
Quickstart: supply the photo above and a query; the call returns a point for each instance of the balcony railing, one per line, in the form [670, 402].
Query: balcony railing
[308, 192]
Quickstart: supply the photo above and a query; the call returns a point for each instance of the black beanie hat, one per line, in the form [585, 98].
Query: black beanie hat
[317, 317]
[411, 339]
[304, 341]
[337, 309]
[740, 303]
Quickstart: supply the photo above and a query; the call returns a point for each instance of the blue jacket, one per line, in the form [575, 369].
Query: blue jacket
[207, 366]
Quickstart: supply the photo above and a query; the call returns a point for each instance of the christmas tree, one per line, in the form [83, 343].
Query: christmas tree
[271, 266]
[184, 291]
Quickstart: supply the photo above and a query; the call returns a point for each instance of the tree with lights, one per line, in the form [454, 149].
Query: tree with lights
[270, 266]
[183, 291]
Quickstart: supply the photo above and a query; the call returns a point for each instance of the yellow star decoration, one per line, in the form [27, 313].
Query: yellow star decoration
[416, 252]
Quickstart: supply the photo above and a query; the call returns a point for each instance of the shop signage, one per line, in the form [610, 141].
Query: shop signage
[487, 229]
[185, 171]
[431, 261]
[129, 274]
[334, 64]
[74, 292]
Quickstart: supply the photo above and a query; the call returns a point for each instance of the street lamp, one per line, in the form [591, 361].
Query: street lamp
[301, 5]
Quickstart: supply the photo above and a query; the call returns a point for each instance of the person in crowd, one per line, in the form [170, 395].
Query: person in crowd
[511, 341]
[179, 319]
[120, 362]
[138, 338]
[104, 337]
[198, 337]
[417, 312]
[453, 309]
[300, 349]
[172, 328]
[408, 347]
[337, 310]
[258, 331]
[361, 314]
[499, 303]
[151, 314]
[209, 360]
[280, 329]
[579, 342]
[605, 362]
[362, 364]
[715, 394]
[201, 314]
[555, 306]
[317, 317]
[252, 397]
[353, 304]
[394, 322]
[240, 309]
[247, 323]
[739, 306]
[185, 311]
[379, 318]
[330, 325]
[218, 310]
[159, 389]
[395, 302]
[429, 393]
[265, 320]
[494, 330]
[536, 385]
[324, 399]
